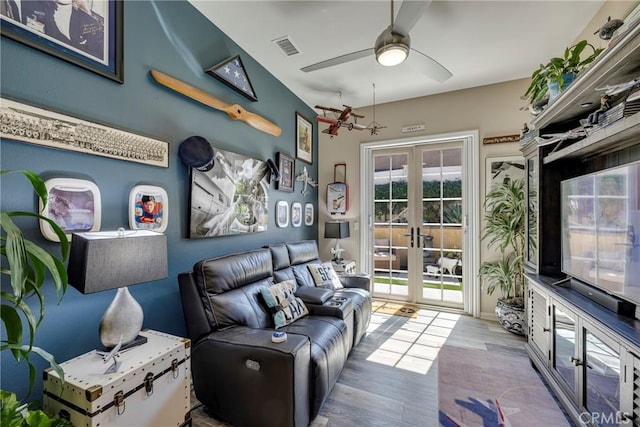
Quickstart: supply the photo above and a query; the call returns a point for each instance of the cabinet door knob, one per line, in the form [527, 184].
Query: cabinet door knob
[545, 329]
[575, 361]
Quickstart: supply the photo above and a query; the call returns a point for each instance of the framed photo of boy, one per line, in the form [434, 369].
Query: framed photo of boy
[286, 166]
[304, 139]
[87, 34]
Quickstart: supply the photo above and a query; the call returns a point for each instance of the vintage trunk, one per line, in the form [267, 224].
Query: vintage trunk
[151, 386]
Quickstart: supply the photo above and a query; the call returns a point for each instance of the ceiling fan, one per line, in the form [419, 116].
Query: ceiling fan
[393, 45]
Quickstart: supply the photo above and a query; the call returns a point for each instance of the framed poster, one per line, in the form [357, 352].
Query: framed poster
[74, 204]
[503, 169]
[286, 166]
[308, 214]
[282, 213]
[304, 139]
[87, 34]
[148, 208]
[296, 214]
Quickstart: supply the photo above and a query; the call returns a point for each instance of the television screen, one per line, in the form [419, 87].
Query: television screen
[601, 230]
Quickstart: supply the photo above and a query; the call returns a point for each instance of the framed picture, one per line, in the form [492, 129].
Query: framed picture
[282, 213]
[148, 208]
[74, 204]
[296, 214]
[308, 214]
[304, 139]
[503, 169]
[286, 166]
[87, 34]
[232, 73]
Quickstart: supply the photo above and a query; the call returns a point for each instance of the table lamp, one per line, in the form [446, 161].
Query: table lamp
[337, 230]
[103, 260]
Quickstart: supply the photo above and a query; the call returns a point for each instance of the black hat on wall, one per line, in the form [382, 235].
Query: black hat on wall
[197, 153]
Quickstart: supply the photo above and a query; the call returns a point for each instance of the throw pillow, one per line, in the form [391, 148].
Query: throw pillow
[325, 276]
[284, 305]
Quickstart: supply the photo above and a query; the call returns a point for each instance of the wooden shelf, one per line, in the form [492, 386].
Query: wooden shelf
[621, 134]
[620, 63]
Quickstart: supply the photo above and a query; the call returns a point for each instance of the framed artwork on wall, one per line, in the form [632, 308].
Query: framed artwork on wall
[296, 214]
[282, 213]
[308, 214]
[232, 73]
[74, 204]
[304, 139]
[503, 169]
[86, 34]
[148, 208]
[286, 166]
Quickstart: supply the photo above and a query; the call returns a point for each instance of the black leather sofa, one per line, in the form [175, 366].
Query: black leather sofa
[238, 373]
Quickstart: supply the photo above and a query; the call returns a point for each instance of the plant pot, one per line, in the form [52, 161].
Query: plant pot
[511, 316]
[555, 90]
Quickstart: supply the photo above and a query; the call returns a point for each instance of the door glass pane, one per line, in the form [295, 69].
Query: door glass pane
[441, 230]
[602, 380]
[390, 224]
[564, 343]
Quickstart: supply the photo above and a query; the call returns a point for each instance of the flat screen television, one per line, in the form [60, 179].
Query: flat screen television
[601, 230]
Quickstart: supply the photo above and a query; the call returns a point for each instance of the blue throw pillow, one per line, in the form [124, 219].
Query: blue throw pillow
[284, 305]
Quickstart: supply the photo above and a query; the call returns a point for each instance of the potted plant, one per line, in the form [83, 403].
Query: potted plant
[27, 265]
[558, 73]
[505, 228]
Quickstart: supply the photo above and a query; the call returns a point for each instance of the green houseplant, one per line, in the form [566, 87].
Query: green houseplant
[560, 71]
[27, 265]
[505, 229]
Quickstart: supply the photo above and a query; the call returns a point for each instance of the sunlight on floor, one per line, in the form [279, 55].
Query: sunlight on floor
[415, 346]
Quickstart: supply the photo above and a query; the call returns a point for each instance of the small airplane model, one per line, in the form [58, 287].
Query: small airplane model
[306, 181]
[620, 87]
[342, 119]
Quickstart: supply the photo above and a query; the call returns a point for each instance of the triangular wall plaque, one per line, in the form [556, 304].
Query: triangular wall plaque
[232, 73]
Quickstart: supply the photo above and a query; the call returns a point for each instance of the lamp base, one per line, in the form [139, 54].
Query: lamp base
[139, 340]
[122, 321]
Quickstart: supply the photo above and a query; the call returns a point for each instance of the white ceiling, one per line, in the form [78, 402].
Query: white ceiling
[480, 42]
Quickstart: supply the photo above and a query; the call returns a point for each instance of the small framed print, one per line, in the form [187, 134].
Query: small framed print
[74, 204]
[286, 166]
[304, 139]
[282, 214]
[308, 214]
[296, 214]
[148, 208]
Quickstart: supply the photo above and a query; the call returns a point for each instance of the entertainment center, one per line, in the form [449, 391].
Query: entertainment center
[583, 297]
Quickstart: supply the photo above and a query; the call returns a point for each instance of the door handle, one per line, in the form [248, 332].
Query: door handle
[407, 235]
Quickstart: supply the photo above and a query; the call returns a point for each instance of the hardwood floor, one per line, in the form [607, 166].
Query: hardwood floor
[391, 377]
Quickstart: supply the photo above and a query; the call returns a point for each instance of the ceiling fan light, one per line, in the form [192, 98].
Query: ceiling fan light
[392, 54]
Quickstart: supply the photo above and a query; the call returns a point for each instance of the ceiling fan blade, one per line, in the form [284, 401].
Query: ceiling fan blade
[430, 66]
[339, 60]
[409, 14]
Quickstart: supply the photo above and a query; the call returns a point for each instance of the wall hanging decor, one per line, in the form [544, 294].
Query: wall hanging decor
[306, 180]
[282, 213]
[91, 37]
[304, 139]
[286, 165]
[148, 208]
[24, 123]
[74, 204]
[308, 214]
[502, 169]
[296, 214]
[230, 198]
[232, 73]
[338, 192]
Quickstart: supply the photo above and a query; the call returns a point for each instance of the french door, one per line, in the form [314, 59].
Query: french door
[418, 222]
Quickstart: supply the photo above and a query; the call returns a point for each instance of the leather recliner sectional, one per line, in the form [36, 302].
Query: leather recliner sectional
[239, 374]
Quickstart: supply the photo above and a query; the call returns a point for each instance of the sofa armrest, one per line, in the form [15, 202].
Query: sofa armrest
[240, 364]
[361, 280]
[313, 295]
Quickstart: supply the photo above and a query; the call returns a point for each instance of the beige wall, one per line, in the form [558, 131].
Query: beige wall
[492, 110]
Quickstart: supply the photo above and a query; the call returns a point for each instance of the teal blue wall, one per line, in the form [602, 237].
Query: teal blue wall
[175, 38]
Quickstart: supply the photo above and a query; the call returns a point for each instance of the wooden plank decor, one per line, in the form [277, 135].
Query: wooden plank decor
[24, 123]
[501, 139]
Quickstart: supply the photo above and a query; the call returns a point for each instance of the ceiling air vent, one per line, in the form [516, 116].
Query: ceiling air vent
[286, 45]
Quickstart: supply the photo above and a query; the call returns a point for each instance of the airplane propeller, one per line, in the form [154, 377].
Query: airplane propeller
[398, 34]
